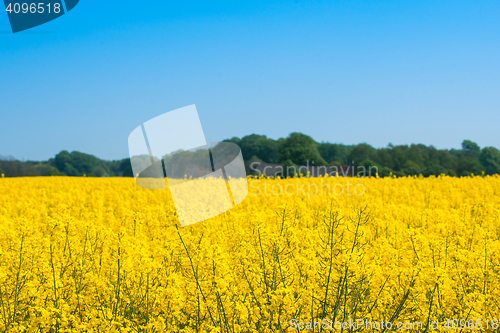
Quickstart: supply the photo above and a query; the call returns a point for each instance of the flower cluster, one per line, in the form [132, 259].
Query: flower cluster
[103, 255]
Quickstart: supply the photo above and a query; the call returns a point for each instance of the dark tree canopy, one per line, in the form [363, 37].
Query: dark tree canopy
[300, 149]
[295, 150]
[490, 159]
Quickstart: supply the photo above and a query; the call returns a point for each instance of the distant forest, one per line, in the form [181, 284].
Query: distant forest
[297, 149]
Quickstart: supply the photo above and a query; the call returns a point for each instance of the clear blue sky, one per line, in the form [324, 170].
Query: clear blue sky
[379, 72]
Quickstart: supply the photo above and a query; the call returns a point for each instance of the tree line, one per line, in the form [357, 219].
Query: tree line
[295, 150]
[400, 160]
[74, 164]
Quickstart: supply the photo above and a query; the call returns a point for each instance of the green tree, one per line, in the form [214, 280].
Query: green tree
[301, 150]
[369, 169]
[399, 157]
[78, 164]
[362, 152]
[412, 171]
[252, 164]
[99, 171]
[415, 156]
[434, 170]
[258, 145]
[471, 148]
[490, 159]
[289, 169]
[334, 154]
[69, 170]
[62, 160]
[383, 157]
[467, 166]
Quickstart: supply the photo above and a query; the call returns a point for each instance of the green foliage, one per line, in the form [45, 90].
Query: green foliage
[335, 154]
[471, 148]
[467, 166]
[99, 171]
[434, 170]
[301, 150]
[490, 159]
[290, 169]
[66, 164]
[248, 165]
[260, 146]
[46, 170]
[295, 150]
[362, 152]
[412, 171]
[370, 168]
[79, 164]
[14, 168]
[187, 163]
[121, 168]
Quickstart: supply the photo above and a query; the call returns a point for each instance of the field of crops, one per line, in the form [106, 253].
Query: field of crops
[103, 255]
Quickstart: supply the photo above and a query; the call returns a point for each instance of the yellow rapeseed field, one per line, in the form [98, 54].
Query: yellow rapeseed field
[103, 255]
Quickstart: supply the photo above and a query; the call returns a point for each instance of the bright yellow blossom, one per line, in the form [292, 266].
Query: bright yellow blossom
[103, 255]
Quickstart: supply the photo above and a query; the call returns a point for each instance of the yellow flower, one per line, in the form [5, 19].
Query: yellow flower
[103, 255]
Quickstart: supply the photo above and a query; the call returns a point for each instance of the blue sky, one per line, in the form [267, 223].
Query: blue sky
[379, 72]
